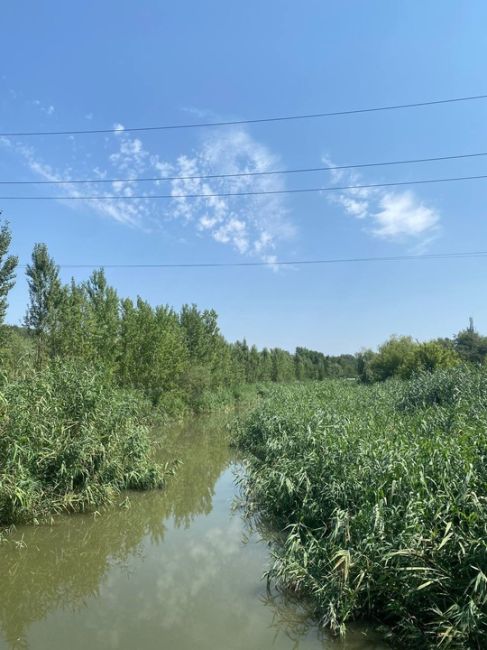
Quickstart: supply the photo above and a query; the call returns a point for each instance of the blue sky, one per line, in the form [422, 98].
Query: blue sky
[97, 65]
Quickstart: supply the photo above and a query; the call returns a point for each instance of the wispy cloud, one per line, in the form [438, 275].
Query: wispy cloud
[47, 109]
[391, 215]
[129, 213]
[252, 225]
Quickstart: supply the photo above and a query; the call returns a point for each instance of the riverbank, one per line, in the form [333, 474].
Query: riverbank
[71, 441]
[378, 495]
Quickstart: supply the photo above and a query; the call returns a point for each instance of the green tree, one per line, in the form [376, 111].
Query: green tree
[201, 333]
[8, 264]
[253, 364]
[282, 365]
[204, 344]
[365, 366]
[470, 345]
[402, 357]
[265, 365]
[44, 296]
[427, 357]
[391, 357]
[343, 365]
[104, 319]
[241, 354]
[153, 352]
[73, 332]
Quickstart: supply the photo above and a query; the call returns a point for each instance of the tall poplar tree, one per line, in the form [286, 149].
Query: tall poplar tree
[44, 296]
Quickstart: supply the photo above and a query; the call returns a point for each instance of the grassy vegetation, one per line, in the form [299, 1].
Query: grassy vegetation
[227, 398]
[69, 441]
[378, 497]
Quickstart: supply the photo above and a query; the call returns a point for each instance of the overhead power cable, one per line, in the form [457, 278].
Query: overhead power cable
[280, 118]
[301, 170]
[304, 190]
[339, 260]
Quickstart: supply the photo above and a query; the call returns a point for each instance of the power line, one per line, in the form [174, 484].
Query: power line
[245, 174]
[342, 260]
[281, 118]
[303, 190]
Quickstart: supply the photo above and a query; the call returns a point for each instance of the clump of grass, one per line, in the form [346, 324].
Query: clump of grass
[379, 499]
[69, 441]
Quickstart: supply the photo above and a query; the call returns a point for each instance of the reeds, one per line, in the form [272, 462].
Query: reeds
[378, 496]
[69, 441]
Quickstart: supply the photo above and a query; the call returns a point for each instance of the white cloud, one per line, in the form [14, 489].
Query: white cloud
[234, 231]
[354, 207]
[251, 225]
[271, 260]
[401, 214]
[130, 157]
[128, 213]
[396, 216]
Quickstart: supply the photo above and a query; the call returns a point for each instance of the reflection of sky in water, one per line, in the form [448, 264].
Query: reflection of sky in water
[169, 572]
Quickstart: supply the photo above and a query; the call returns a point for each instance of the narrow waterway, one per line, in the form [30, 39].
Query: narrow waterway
[171, 569]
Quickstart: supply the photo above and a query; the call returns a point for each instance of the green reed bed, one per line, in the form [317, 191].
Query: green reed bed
[378, 496]
[69, 441]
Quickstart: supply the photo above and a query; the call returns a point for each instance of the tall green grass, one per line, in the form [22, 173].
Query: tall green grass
[69, 441]
[378, 496]
[227, 398]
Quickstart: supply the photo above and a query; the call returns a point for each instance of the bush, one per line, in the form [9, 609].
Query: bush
[69, 442]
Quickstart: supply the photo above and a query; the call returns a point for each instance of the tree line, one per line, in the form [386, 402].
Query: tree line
[171, 355]
[175, 356]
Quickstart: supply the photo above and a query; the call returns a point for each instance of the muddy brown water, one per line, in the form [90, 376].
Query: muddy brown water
[174, 569]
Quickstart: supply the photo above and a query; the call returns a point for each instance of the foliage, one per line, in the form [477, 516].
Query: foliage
[44, 298]
[378, 498]
[8, 264]
[402, 357]
[69, 441]
[17, 354]
[174, 358]
[152, 354]
[227, 398]
[471, 346]
[428, 356]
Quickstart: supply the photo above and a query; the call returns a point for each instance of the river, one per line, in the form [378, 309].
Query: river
[169, 570]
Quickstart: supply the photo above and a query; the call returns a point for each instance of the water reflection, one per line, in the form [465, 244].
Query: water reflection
[60, 566]
[64, 564]
[169, 571]
[205, 453]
